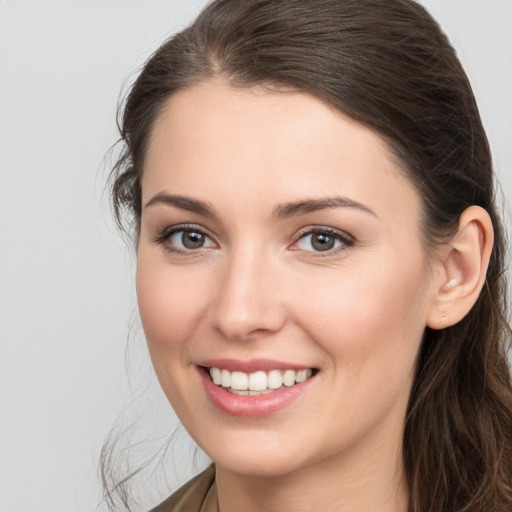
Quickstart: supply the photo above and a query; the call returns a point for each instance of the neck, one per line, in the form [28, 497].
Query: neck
[374, 482]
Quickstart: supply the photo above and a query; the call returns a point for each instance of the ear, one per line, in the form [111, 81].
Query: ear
[462, 269]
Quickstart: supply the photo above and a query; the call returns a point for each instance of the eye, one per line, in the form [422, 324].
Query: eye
[188, 239]
[181, 239]
[323, 240]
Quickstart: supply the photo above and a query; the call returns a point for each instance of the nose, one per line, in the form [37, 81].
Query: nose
[247, 303]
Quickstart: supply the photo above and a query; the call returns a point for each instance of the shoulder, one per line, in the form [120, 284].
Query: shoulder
[189, 497]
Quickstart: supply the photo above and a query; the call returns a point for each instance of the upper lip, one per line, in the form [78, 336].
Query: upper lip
[251, 365]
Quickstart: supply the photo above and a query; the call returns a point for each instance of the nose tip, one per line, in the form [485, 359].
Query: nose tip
[247, 304]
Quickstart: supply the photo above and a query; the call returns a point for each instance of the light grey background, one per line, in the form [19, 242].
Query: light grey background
[66, 279]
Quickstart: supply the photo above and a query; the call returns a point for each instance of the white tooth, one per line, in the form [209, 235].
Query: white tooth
[226, 379]
[239, 391]
[274, 379]
[258, 381]
[253, 393]
[239, 380]
[289, 378]
[301, 376]
[216, 376]
[309, 372]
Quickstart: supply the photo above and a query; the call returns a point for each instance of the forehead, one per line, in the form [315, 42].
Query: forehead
[270, 145]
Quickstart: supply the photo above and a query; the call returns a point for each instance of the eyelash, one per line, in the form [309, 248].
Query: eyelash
[163, 238]
[344, 240]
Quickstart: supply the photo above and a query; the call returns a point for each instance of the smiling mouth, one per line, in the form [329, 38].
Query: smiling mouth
[260, 382]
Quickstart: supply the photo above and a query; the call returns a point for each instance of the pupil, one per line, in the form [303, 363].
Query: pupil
[322, 242]
[192, 240]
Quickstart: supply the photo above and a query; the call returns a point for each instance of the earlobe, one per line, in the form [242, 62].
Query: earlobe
[463, 269]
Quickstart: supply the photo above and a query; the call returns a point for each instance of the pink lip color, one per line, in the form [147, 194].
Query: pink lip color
[251, 406]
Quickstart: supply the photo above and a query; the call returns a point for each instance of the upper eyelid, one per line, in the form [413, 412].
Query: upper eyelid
[347, 240]
[323, 229]
[166, 232]
[185, 227]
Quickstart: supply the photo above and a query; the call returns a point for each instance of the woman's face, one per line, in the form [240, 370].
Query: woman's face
[279, 242]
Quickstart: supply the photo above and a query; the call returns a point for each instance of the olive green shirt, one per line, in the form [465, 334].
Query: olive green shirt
[191, 496]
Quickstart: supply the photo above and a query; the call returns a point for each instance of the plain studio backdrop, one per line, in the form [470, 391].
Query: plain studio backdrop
[66, 278]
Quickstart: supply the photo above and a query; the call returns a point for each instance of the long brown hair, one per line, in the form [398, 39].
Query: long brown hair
[388, 65]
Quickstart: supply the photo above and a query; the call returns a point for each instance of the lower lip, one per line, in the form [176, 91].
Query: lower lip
[255, 405]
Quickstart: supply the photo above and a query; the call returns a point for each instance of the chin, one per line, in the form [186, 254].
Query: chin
[261, 467]
[258, 459]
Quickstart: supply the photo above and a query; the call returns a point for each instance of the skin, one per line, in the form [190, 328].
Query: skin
[258, 289]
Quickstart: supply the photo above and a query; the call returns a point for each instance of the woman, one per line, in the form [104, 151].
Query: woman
[320, 261]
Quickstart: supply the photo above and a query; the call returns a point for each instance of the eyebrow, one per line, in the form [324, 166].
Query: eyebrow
[282, 211]
[312, 205]
[184, 203]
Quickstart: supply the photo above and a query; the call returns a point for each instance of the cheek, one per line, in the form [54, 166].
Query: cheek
[372, 320]
[172, 302]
